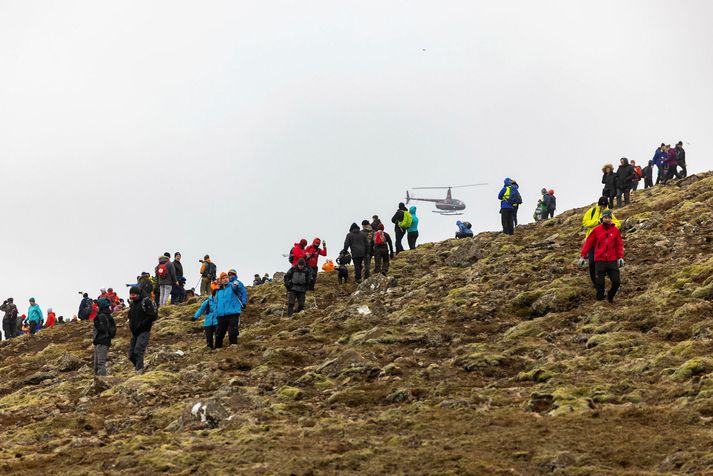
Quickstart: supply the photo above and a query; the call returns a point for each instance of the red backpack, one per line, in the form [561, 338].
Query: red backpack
[379, 238]
[162, 271]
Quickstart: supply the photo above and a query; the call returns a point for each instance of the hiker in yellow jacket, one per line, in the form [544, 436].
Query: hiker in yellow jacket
[591, 219]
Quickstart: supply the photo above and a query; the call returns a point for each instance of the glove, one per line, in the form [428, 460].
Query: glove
[582, 262]
[621, 262]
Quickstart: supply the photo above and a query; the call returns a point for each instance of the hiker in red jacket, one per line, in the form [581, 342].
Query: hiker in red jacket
[608, 255]
[298, 251]
[313, 252]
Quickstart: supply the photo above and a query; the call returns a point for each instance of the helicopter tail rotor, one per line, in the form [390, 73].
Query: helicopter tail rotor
[408, 198]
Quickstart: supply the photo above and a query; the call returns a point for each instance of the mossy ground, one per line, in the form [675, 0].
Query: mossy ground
[505, 366]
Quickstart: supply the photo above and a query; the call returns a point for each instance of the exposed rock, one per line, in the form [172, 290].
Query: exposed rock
[69, 362]
[465, 255]
[39, 377]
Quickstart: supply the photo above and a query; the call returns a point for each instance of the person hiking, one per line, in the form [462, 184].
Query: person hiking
[178, 292]
[670, 164]
[593, 218]
[104, 332]
[343, 260]
[375, 222]
[51, 318]
[624, 179]
[210, 323]
[297, 281]
[19, 324]
[85, 308]
[312, 254]
[412, 231]
[367, 231]
[659, 160]
[358, 243]
[608, 247]
[230, 299]
[142, 314]
[516, 205]
[9, 320]
[550, 204]
[34, 317]
[638, 175]
[541, 208]
[464, 229]
[609, 180]
[298, 251]
[509, 196]
[208, 274]
[647, 174]
[681, 160]
[383, 250]
[177, 265]
[166, 277]
[398, 230]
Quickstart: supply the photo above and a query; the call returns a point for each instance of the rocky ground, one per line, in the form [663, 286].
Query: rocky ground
[485, 356]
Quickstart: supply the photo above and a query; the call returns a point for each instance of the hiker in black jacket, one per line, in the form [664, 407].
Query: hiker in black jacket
[648, 174]
[400, 232]
[681, 160]
[625, 176]
[142, 313]
[104, 331]
[609, 181]
[9, 321]
[383, 250]
[297, 281]
[359, 245]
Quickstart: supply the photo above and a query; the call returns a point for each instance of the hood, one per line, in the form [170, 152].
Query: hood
[412, 210]
[367, 227]
[162, 260]
[354, 227]
[507, 182]
[626, 161]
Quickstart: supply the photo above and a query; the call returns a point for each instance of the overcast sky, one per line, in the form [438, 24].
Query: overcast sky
[236, 128]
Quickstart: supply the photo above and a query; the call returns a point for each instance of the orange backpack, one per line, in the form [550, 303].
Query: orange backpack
[328, 266]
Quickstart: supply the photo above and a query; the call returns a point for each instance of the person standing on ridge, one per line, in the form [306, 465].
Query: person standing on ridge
[210, 323]
[681, 160]
[515, 206]
[624, 179]
[647, 174]
[35, 318]
[267, 279]
[104, 332]
[549, 204]
[608, 247]
[312, 254]
[671, 163]
[659, 160]
[609, 181]
[359, 245]
[178, 290]
[297, 281]
[9, 320]
[177, 265]
[166, 277]
[375, 222]
[383, 250]
[230, 298]
[412, 231]
[509, 196]
[142, 314]
[399, 232]
[367, 231]
[298, 251]
[638, 175]
[51, 318]
[464, 229]
[257, 280]
[208, 274]
[593, 218]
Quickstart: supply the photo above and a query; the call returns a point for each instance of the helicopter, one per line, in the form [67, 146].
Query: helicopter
[447, 206]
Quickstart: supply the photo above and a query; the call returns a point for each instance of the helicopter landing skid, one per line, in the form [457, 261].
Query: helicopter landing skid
[447, 213]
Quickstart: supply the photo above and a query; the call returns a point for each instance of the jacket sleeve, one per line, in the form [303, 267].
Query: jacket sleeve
[502, 192]
[172, 273]
[619, 245]
[588, 244]
[288, 278]
[347, 241]
[202, 309]
[240, 291]
[323, 251]
[398, 216]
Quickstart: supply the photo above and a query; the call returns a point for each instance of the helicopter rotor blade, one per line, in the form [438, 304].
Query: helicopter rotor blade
[444, 188]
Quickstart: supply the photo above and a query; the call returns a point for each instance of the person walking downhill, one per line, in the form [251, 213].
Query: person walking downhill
[210, 323]
[609, 181]
[208, 273]
[359, 245]
[593, 218]
[35, 318]
[104, 332]
[313, 252]
[509, 197]
[648, 175]
[142, 314]
[297, 281]
[230, 298]
[399, 232]
[608, 247]
[367, 231]
[166, 277]
[659, 160]
[383, 250]
[9, 320]
[412, 231]
[298, 251]
[681, 160]
[624, 179]
[638, 175]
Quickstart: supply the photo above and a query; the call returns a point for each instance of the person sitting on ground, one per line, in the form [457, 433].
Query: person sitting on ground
[412, 231]
[464, 229]
[266, 279]
[142, 314]
[609, 181]
[35, 319]
[297, 281]
[257, 280]
[383, 251]
[104, 332]
[608, 247]
[312, 254]
[210, 324]
[359, 245]
[593, 218]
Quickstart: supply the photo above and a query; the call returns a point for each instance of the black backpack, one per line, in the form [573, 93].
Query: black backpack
[85, 310]
[290, 256]
[212, 269]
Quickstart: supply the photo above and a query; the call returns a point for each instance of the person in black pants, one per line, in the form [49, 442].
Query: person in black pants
[681, 160]
[399, 232]
[609, 181]
[359, 245]
[297, 281]
[624, 179]
[608, 247]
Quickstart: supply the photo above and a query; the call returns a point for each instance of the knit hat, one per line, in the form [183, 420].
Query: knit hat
[365, 222]
[134, 290]
[32, 299]
[603, 201]
[223, 275]
[607, 213]
[103, 303]
[317, 241]
[233, 271]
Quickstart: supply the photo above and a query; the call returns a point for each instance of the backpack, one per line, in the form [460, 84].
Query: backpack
[149, 307]
[86, 309]
[514, 198]
[162, 271]
[406, 222]
[467, 225]
[212, 270]
[291, 256]
[379, 238]
[111, 327]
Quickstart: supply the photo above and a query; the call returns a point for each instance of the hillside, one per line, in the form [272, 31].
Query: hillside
[485, 356]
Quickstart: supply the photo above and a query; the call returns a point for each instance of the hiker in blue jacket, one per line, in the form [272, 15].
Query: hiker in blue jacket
[34, 317]
[509, 197]
[464, 230]
[412, 231]
[210, 323]
[659, 159]
[230, 299]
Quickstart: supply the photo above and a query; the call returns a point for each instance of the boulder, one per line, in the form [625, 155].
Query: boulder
[69, 363]
[465, 255]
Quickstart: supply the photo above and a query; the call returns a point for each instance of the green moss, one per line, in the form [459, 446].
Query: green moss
[290, 393]
[692, 367]
[705, 292]
[535, 375]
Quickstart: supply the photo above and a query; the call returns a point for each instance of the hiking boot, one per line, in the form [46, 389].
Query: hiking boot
[139, 371]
